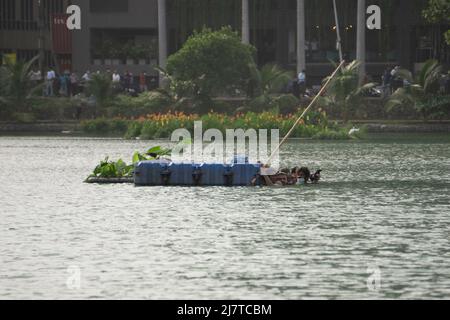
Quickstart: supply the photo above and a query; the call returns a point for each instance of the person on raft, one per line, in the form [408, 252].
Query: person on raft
[296, 176]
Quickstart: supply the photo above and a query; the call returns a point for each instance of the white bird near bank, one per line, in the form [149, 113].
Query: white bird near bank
[353, 131]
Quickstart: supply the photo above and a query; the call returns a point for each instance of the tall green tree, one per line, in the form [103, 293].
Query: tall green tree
[211, 63]
[100, 86]
[438, 11]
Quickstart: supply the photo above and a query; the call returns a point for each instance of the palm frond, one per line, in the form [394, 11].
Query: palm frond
[429, 74]
[405, 74]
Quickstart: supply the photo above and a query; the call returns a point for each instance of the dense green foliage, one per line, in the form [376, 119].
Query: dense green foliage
[16, 88]
[100, 87]
[315, 125]
[145, 103]
[267, 85]
[112, 169]
[421, 93]
[438, 11]
[211, 63]
[344, 91]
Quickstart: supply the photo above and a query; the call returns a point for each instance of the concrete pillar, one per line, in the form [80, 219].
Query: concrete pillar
[301, 55]
[361, 38]
[282, 32]
[245, 22]
[162, 36]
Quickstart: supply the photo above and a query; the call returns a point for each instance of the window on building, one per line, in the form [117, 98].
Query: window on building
[7, 14]
[51, 7]
[108, 6]
[26, 10]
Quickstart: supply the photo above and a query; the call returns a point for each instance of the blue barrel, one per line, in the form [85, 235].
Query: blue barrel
[181, 174]
[150, 173]
[155, 173]
[243, 174]
[212, 174]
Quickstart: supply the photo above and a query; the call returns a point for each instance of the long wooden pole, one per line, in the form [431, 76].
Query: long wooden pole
[322, 90]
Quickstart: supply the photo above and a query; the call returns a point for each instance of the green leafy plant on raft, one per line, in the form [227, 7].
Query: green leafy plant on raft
[111, 169]
[120, 169]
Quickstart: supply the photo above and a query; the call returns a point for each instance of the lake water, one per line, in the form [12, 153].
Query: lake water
[378, 226]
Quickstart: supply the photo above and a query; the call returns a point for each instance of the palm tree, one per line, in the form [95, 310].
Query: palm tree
[419, 91]
[16, 84]
[344, 91]
[269, 83]
[100, 86]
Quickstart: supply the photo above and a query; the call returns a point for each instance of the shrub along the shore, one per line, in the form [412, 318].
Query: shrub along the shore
[154, 126]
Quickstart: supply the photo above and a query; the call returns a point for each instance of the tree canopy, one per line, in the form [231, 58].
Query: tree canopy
[211, 63]
[438, 11]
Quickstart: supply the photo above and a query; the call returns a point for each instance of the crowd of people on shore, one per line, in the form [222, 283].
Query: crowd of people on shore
[68, 84]
[390, 82]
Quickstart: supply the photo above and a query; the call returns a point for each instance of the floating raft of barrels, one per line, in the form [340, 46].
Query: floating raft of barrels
[154, 173]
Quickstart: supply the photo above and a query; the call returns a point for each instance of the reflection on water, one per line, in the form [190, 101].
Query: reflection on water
[383, 205]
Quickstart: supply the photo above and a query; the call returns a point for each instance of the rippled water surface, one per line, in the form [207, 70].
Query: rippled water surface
[383, 209]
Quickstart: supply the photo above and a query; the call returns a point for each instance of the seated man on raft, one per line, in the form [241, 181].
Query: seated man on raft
[296, 176]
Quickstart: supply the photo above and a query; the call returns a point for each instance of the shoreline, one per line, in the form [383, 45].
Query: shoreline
[373, 126]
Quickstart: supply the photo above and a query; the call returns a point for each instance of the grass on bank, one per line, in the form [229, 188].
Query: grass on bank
[155, 126]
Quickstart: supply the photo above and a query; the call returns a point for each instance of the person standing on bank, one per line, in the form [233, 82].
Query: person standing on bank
[73, 84]
[302, 82]
[50, 79]
[294, 87]
[143, 82]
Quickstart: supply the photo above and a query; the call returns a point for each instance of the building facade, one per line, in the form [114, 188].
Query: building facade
[25, 27]
[123, 34]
